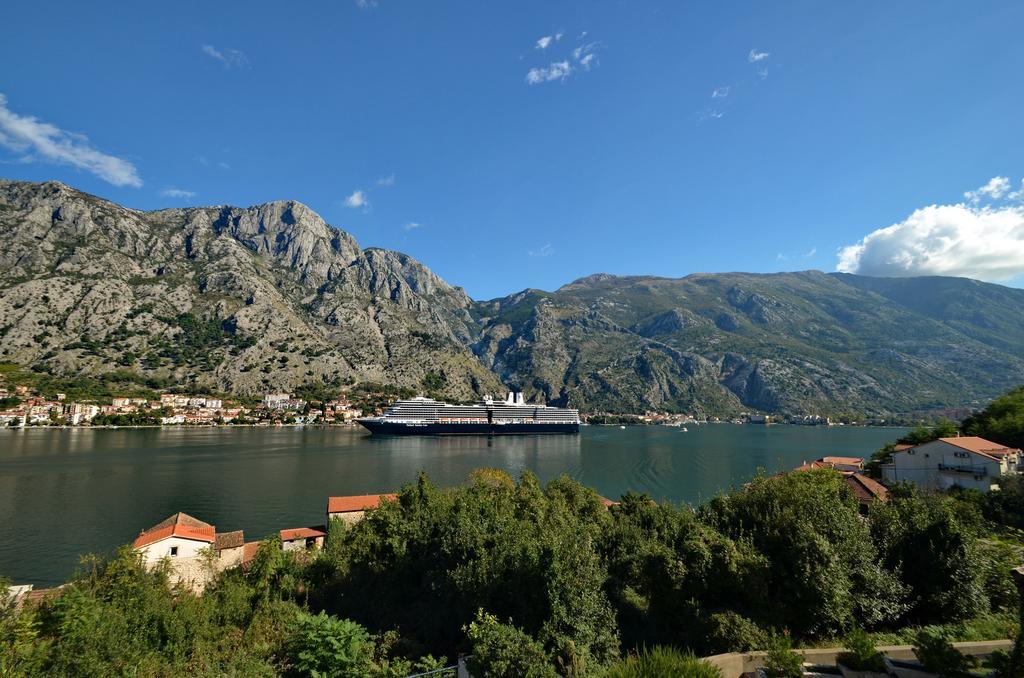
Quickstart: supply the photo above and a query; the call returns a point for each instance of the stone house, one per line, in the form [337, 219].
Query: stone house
[352, 509]
[303, 538]
[193, 549]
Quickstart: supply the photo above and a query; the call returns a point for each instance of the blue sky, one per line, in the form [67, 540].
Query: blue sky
[645, 138]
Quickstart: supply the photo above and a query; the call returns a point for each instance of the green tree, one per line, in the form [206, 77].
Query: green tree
[504, 651]
[1002, 421]
[782, 661]
[322, 646]
[933, 552]
[821, 572]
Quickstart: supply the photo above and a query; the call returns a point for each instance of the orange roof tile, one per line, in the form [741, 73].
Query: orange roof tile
[867, 489]
[980, 446]
[178, 525]
[359, 502]
[249, 550]
[303, 533]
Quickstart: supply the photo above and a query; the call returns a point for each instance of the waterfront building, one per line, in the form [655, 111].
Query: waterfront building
[15, 417]
[969, 462]
[352, 509]
[303, 538]
[282, 401]
[193, 548]
[78, 413]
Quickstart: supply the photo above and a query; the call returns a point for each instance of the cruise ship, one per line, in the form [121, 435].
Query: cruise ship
[429, 417]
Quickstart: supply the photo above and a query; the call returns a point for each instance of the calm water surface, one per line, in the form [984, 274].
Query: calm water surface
[64, 492]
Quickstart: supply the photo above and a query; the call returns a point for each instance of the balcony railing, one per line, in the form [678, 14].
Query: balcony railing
[967, 470]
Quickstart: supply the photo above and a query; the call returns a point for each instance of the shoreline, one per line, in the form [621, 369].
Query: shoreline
[357, 427]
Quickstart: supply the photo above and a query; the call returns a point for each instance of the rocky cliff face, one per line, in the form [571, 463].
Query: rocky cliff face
[270, 297]
[790, 342]
[244, 300]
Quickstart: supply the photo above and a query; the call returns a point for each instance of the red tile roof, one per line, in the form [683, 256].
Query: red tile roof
[249, 550]
[179, 525]
[229, 540]
[607, 502]
[359, 502]
[303, 533]
[867, 489]
[986, 448]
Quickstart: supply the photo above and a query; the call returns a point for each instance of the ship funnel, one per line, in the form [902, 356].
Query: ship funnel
[511, 398]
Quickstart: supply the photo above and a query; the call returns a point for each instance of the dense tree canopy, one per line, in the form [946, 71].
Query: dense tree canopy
[533, 580]
[1002, 421]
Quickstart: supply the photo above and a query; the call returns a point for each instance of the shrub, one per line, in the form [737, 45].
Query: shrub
[782, 661]
[938, 655]
[504, 651]
[322, 645]
[662, 662]
[861, 654]
[731, 632]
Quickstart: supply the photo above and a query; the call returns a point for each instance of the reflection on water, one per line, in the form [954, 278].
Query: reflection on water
[73, 491]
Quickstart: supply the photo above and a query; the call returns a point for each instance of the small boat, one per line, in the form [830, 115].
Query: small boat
[622, 427]
[685, 430]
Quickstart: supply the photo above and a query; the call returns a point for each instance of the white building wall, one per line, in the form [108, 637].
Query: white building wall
[931, 467]
[187, 548]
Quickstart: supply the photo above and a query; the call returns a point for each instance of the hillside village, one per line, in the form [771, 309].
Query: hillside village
[30, 408]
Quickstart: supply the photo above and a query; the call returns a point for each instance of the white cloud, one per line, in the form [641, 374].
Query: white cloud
[763, 73]
[811, 252]
[586, 55]
[982, 242]
[558, 70]
[230, 58]
[995, 189]
[1018, 194]
[38, 140]
[177, 193]
[411, 225]
[709, 114]
[386, 182]
[545, 251]
[357, 199]
[756, 56]
[584, 58]
[366, 4]
[545, 41]
[720, 92]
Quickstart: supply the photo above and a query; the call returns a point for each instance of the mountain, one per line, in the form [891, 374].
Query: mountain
[271, 297]
[238, 300]
[786, 342]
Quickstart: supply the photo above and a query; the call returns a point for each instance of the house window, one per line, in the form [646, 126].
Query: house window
[174, 550]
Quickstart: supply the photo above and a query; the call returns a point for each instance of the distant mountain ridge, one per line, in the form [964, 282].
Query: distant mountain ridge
[269, 297]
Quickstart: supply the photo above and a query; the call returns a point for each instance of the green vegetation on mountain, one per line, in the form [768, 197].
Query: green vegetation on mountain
[270, 297]
[542, 581]
[722, 343]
